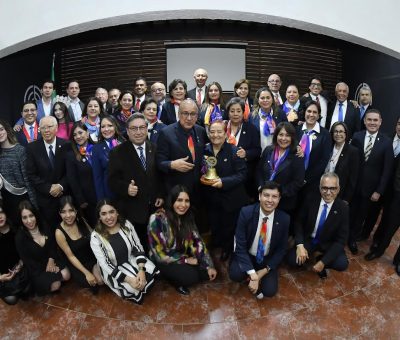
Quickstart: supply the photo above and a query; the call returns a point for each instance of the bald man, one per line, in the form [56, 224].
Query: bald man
[198, 94]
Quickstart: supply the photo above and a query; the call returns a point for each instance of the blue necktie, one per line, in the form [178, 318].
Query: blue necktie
[31, 134]
[340, 116]
[362, 110]
[52, 157]
[141, 156]
[321, 223]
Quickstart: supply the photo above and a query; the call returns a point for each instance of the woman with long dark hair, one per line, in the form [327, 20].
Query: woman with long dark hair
[213, 107]
[176, 245]
[124, 267]
[60, 112]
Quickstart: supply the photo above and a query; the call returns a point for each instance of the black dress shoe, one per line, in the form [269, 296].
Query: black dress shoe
[323, 274]
[182, 290]
[353, 247]
[372, 255]
[397, 268]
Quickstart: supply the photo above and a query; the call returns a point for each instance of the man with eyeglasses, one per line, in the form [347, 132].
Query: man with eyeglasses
[30, 128]
[317, 94]
[134, 178]
[158, 94]
[180, 149]
[45, 167]
[321, 229]
[113, 99]
[274, 84]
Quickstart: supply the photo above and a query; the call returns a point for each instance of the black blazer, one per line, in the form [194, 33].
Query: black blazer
[71, 112]
[233, 172]
[125, 165]
[40, 172]
[168, 115]
[155, 131]
[22, 139]
[362, 125]
[347, 168]
[374, 174]
[250, 141]
[246, 231]
[173, 144]
[352, 118]
[290, 175]
[192, 94]
[203, 111]
[334, 234]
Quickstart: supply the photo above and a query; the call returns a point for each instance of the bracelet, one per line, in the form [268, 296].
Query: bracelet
[142, 268]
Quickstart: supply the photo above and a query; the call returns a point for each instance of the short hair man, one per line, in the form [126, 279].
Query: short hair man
[180, 148]
[158, 94]
[198, 94]
[321, 229]
[113, 99]
[102, 95]
[343, 110]
[139, 90]
[45, 167]
[75, 105]
[364, 100]
[30, 128]
[274, 84]
[260, 242]
[134, 178]
[376, 166]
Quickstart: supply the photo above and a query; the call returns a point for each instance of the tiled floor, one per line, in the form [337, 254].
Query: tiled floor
[361, 303]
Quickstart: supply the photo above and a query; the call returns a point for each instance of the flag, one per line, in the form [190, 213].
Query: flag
[53, 77]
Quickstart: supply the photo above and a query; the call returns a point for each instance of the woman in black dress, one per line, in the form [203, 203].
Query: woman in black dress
[38, 251]
[14, 281]
[73, 237]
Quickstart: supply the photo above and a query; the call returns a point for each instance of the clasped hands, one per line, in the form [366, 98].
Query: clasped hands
[138, 282]
[56, 190]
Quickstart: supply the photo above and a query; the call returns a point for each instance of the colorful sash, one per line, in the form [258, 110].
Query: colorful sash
[28, 135]
[231, 139]
[276, 161]
[213, 113]
[287, 107]
[305, 145]
[86, 151]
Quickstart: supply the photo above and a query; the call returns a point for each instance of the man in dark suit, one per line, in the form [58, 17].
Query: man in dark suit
[376, 166]
[139, 90]
[198, 94]
[75, 105]
[158, 94]
[365, 103]
[113, 100]
[180, 149]
[102, 95]
[274, 84]
[45, 167]
[260, 243]
[29, 131]
[133, 176]
[321, 229]
[343, 110]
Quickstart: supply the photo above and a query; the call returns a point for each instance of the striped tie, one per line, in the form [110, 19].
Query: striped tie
[141, 156]
[368, 149]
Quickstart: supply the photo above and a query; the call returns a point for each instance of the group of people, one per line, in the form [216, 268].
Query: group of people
[118, 190]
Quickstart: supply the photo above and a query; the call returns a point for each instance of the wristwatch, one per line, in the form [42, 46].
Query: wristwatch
[268, 268]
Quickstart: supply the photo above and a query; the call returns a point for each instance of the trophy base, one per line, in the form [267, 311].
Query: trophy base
[208, 181]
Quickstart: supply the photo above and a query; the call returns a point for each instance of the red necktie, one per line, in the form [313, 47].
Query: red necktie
[137, 106]
[198, 97]
[191, 147]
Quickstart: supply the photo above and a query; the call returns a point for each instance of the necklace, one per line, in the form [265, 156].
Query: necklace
[35, 233]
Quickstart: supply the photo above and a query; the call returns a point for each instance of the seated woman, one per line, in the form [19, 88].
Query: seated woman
[177, 91]
[38, 251]
[14, 281]
[176, 245]
[149, 109]
[213, 107]
[91, 115]
[73, 237]
[227, 194]
[60, 112]
[293, 107]
[279, 163]
[123, 264]
[242, 90]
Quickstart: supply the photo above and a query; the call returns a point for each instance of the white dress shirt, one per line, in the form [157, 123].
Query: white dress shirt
[335, 115]
[76, 108]
[321, 207]
[366, 139]
[202, 92]
[396, 144]
[47, 147]
[138, 151]
[323, 103]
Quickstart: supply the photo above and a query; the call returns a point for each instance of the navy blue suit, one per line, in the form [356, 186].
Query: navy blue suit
[21, 138]
[290, 175]
[278, 116]
[100, 157]
[168, 114]
[374, 176]
[362, 125]
[352, 117]
[243, 261]
[155, 131]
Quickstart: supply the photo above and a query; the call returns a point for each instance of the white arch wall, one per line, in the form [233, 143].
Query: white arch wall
[374, 24]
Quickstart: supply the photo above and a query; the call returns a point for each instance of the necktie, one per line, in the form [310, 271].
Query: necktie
[277, 101]
[191, 147]
[321, 223]
[159, 111]
[262, 241]
[317, 99]
[306, 146]
[368, 149]
[31, 134]
[198, 99]
[52, 157]
[340, 115]
[137, 106]
[396, 149]
[141, 156]
[362, 110]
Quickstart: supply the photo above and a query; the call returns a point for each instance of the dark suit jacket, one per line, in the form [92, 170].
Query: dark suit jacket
[233, 172]
[352, 117]
[168, 115]
[172, 144]
[71, 112]
[155, 131]
[347, 168]
[42, 175]
[245, 233]
[250, 141]
[362, 125]
[375, 173]
[333, 236]
[290, 175]
[21, 136]
[124, 166]
[193, 94]
[320, 153]
[100, 156]
[278, 116]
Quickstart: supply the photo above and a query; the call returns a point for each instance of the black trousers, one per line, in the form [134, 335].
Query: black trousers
[182, 274]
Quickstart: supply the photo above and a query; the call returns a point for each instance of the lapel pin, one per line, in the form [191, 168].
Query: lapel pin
[335, 212]
[244, 132]
[225, 160]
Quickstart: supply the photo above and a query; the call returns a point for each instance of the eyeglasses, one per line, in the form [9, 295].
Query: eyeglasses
[46, 127]
[157, 90]
[274, 81]
[188, 114]
[29, 110]
[339, 132]
[141, 128]
[326, 189]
